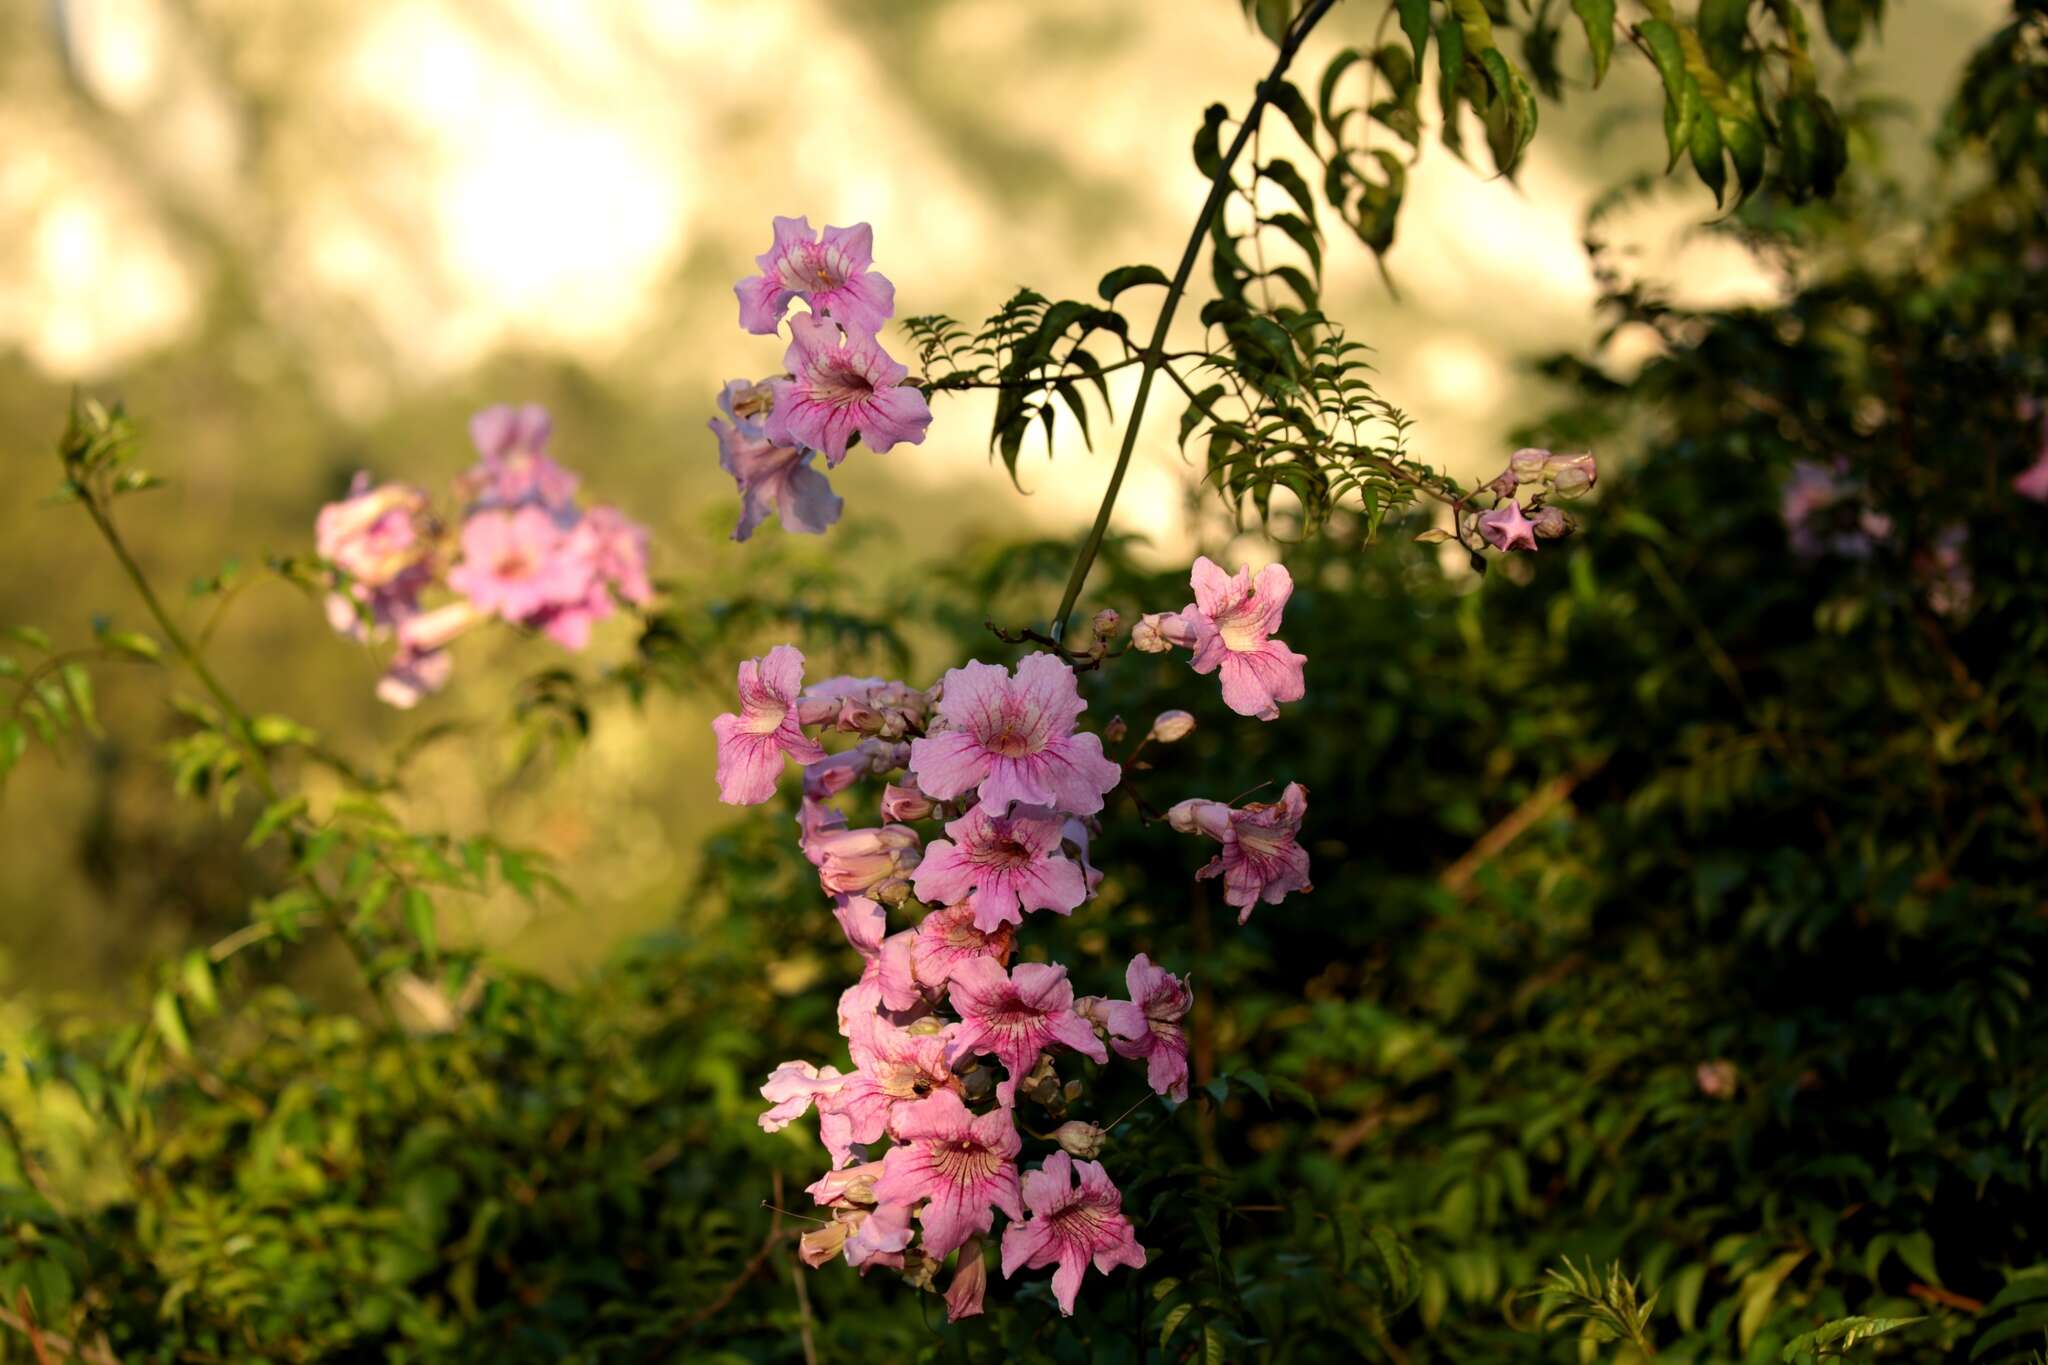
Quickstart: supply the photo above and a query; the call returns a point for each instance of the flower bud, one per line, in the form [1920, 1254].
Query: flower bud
[1159, 631]
[858, 862]
[919, 1269]
[820, 1245]
[853, 1187]
[1526, 464]
[970, 1283]
[1114, 732]
[1107, 623]
[857, 717]
[1570, 475]
[1551, 523]
[925, 1026]
[1072, 1091]
[1093, 1008]
[1171, 727]
[905, 802]
[1716, 1079]
[1080, 1139]
[1502, 485]
[817, 710]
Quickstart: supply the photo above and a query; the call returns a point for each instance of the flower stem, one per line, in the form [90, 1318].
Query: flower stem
[1219, 190]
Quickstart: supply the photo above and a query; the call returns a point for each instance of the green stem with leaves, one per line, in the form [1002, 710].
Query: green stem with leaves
[1152, 357]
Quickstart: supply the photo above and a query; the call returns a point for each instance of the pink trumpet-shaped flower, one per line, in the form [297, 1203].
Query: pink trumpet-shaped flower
[793, 1088]
[893, 1067]
[880, 1238]
[833, 275]
[1009, 863]
[382, 537]
[751, 744]
[771, 478]
[970, 1283]
[1148, 1025]
[1071, 1225]
[958, 1165]
[515, 470]
[1506, 528]
[1016, 1016]
[859, 862]
[519, 565]
[948, 937]
[1014, 738]
[1261, 857]
[1234, 619]
[842, 384]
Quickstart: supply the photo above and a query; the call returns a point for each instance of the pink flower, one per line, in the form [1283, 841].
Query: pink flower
[832, 275]
[2032, 482]
[1148, 1026]
[893, 1067]
[411, 676]
[1234, 619]
[771, 477]
[970, 1283]
[853, 1187]
[903, 801]
[869, 758]
[863, 921]
[616, 547]
[1008, 863]
[382, 538]
[856, 862]
[1159, 631]
[843, 384]
[1261, 859]
[515, 470]
[1016, 1016]
[792, 1088]
[520, 565]
[1505, 528]
[880, 1238]
[1071, 1224]
[752, 743]
[1015, 740]
[961, 1166]
[948, 937]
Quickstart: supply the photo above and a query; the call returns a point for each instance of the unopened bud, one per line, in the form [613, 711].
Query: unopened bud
[1079, 1139]
[1107, 623]
[1171, 727]
[1159, 631]
[919, 1269]
[820, 1245]
[1114, 732]
[905, 802]
[1526, 464]
[1551, 523]
[1503, 484]
[1072, 1091]
[1093, 1008]
[925, 1026]
[1570, 475]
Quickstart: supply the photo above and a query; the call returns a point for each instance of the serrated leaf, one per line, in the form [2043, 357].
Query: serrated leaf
[1129, 277]
[1835, 1338]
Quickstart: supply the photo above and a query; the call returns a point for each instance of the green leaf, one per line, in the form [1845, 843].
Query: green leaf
[30, 636]
[196, 971]
[132, 642]
[170, 1023]
[1745, 143]
[1327, 93]
[273, 731]
[1917, 1251]
[275, 817]
[1289, 101]
[1723, 26]
[1415, 23]
[1680, 91]
[1685, 1289]
[1208, 143]
[1598, 18]
[1835, 1338]
[419, 919]
[1273, 17]
[1174, 1318]
[1705, 145]
[1129, 277]
[14, 741]
[1283, 174]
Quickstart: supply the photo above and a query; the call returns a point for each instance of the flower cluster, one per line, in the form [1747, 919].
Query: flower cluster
[1229, 627]
[839, 385]
[1523, 511]
[524, 551]
[947, 1037]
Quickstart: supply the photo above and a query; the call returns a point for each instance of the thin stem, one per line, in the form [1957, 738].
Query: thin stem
[1219, 190]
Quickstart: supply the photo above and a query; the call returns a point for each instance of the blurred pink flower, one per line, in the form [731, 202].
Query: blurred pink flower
[1014, 738]
[382, 538]
[842, 384]
[1016, 1016]
[1506, 528]
[1148, 1026]
[1261, 858]
[519, 565]
[1076, 1217]
[1008, 863]
[959, 1165]
[752, 743]
[1234, 618]
[833, 275]
[515, 470]
[2032, 482]
[771, 477]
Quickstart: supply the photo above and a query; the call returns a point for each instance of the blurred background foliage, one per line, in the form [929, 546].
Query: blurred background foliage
[1677, 901]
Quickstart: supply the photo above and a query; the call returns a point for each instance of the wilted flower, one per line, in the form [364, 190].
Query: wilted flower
[752, 743]
[842, 384]
[959, 1165]
[1234, 619]
[1014, 739]
[1261, 859]
[1009, 863]
[1507, 528]
[1071, 1225]
[1016, 1016]
[1148, 1027]
[970, 1283]
[833, 275]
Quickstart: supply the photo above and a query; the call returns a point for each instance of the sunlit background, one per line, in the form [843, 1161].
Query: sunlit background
[304, 238]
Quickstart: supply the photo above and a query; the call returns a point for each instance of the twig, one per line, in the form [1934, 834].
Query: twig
[46, 1344]
[747, 1272]
[1457, 878]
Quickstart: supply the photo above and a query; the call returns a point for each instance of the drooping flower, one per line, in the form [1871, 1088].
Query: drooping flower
[1234, 618]
[970, 1283]
[515, 470]
[834, 275]
[1015, 740]
[1261, 857]
[843, 383]
[1016, 1016]
[1148, 1026]
[1071, 1225]
[771, 477]
[948, 937]
[861, 862]
[793, 1088]
[958, 1165]
[382, 538]
[1506, 528]
[1008, 863]
[752, 743]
